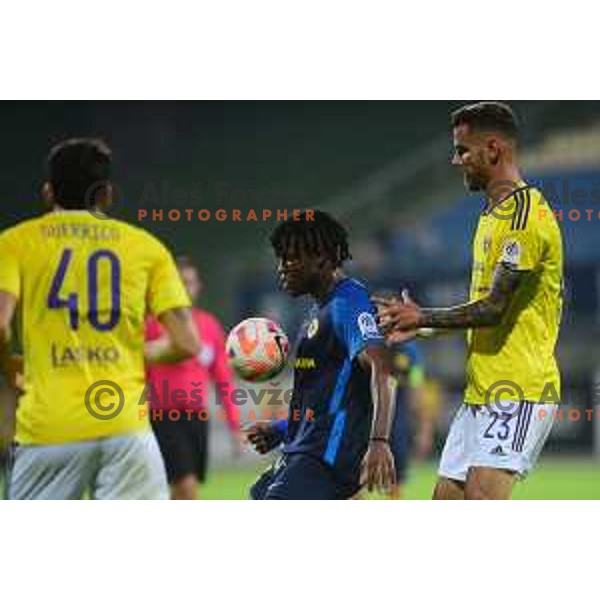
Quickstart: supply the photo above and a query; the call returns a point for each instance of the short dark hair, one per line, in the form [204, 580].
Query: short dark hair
[317, 232]
[488, 116]
[78, 167]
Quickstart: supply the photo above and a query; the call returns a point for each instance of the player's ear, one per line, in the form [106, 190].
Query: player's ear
[494, 150]
[104, 198]
[48, 195]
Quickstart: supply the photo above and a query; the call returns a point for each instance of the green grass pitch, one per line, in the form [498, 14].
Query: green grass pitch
[554, 479]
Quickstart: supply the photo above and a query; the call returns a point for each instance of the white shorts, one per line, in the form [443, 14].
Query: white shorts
[113, 468]
[509, 437]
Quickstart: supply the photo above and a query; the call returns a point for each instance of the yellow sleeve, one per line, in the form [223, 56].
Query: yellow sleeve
[166, 290]
[10, 269]
[521, 244]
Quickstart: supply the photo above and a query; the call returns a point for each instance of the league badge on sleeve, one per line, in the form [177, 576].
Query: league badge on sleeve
[511, 253]
[367, 325]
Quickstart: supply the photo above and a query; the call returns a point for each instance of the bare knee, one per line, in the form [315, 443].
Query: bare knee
[485, 483]
[474, 491]
[448, 489]
[185, 488]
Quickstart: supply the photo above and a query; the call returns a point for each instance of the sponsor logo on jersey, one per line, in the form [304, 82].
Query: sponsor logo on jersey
[303, 362]
[64, 356]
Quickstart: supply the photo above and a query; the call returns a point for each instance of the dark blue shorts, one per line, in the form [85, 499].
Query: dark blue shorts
[301, 477]
[400, 439]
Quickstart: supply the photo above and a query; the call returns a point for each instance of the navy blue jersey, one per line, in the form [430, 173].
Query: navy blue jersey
[331, 407]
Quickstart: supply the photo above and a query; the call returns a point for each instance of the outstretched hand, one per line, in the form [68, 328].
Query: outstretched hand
[399, 316]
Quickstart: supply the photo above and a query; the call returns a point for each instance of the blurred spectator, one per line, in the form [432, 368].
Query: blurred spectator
[408, 384]
[181, 433]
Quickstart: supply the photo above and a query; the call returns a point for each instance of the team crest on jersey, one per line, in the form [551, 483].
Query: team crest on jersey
[312, 329]
[367, 325]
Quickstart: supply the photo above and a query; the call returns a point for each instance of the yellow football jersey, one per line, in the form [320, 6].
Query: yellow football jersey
[515, 360]
[84, 286]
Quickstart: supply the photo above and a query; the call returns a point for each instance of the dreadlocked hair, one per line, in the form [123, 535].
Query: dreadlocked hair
[317, 233]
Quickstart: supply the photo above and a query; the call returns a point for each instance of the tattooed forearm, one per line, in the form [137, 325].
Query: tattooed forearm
[480, 313]
[486, 312]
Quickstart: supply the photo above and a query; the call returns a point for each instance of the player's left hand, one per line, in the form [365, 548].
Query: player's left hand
[262, 436]
[398, 314]
[378, 471]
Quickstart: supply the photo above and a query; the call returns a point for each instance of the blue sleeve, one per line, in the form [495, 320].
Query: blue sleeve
[353, 315]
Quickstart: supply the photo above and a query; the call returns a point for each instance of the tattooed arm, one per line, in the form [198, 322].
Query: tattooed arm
[485, 312]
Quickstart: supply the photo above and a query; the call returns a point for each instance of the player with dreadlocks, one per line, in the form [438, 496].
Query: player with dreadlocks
[336, 437]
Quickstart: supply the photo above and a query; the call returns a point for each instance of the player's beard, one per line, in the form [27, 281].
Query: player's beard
[475, 181]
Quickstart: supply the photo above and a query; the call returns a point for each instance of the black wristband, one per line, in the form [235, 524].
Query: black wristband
[379, 439]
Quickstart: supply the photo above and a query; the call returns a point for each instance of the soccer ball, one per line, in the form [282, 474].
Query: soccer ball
[257, 349]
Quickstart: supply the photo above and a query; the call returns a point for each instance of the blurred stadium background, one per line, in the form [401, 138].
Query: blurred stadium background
[384, 169]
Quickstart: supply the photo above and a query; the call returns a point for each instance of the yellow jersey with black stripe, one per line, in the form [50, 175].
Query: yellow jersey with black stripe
[516, 359]
[84, 286]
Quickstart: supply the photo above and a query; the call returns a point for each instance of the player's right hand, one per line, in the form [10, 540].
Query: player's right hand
[384, 300]
[262, 436]
[398, 314]
[399, 337]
